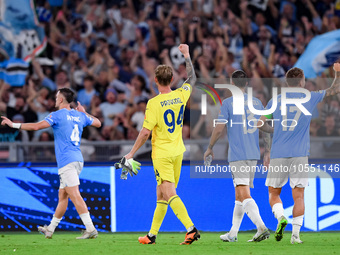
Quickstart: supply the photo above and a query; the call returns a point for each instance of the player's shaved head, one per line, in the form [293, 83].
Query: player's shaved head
[163, 74]
[67, 94]
[294, 77]
[239, 78]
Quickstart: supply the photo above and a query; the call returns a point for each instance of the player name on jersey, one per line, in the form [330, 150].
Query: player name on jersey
[76, 119]
[171, 102]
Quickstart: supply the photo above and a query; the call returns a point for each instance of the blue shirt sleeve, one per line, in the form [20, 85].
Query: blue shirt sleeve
[317, 96]
[52, 119]
[224, 114]
[88, 120]
[260, 105]
[269, 104]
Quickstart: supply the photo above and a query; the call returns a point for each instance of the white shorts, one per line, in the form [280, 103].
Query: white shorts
[69, 174]
[280, 168]
[243, 172]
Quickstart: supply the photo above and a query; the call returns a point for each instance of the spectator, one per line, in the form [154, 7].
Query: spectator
[120, 43]
[137, 118]
[42, 103]
[86, 94]
[111, 107]
[137, 89]
[16, 136]
[328, 129]
[44, 153]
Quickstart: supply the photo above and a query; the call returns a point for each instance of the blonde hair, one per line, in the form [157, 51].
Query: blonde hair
[163, 74]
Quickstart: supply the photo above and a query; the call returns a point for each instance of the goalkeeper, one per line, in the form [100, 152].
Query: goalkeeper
[164, 117]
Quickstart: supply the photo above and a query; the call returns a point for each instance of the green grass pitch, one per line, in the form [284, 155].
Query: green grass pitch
[64, 243]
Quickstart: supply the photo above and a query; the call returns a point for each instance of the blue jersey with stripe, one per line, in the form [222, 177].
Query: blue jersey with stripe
[243, 135]
[67, 128]
[292, 138]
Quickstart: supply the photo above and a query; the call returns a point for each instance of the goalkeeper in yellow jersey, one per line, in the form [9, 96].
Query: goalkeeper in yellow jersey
[164, 117]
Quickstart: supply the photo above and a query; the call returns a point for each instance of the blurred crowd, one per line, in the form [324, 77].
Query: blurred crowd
[107, 51]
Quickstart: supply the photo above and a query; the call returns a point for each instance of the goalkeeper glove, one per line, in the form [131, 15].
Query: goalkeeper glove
[130, 165]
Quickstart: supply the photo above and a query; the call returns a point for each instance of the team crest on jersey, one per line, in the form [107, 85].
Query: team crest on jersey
[186, 87]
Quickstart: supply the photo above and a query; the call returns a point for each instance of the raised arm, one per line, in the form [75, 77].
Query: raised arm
[184, 49]
[38, 70]
[3, 87]
[335, 88]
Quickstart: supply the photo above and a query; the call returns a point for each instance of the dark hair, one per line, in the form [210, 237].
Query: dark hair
[163, 75]
[106, 25]
[61, 71]
[141, 80]
[67, 94]
[294, 76]
[88, 78]
[239, 78]
[332, 115]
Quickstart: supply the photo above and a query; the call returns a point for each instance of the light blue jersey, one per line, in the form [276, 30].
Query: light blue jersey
[292, 138]
[243, 138]
[67, 128]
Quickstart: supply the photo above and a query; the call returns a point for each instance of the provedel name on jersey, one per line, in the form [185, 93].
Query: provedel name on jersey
[171, 102]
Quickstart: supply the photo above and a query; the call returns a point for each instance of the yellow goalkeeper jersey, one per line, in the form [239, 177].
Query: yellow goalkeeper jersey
[164, 116]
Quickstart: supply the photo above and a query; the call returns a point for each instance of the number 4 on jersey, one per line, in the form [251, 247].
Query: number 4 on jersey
[75, 135]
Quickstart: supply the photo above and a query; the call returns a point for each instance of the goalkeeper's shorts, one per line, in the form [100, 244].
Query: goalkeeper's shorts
[168, 169]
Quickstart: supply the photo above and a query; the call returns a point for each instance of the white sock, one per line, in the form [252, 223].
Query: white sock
[190, 228]
[278, 210]
[297, 223]
[251, 209]
[54, 223]
[85, 217]
[237, 218]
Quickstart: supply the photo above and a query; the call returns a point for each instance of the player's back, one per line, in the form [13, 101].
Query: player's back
[243, 135]
[164, 116]
[291, 131]
[67, 128]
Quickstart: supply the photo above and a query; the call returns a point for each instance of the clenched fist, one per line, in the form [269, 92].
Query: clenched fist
[336, 67]
[184, 49]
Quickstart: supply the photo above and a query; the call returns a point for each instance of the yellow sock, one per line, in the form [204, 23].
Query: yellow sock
[158, 216]
[180, 211]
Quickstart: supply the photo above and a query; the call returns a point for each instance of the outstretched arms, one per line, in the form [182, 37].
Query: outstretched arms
[25, 126]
